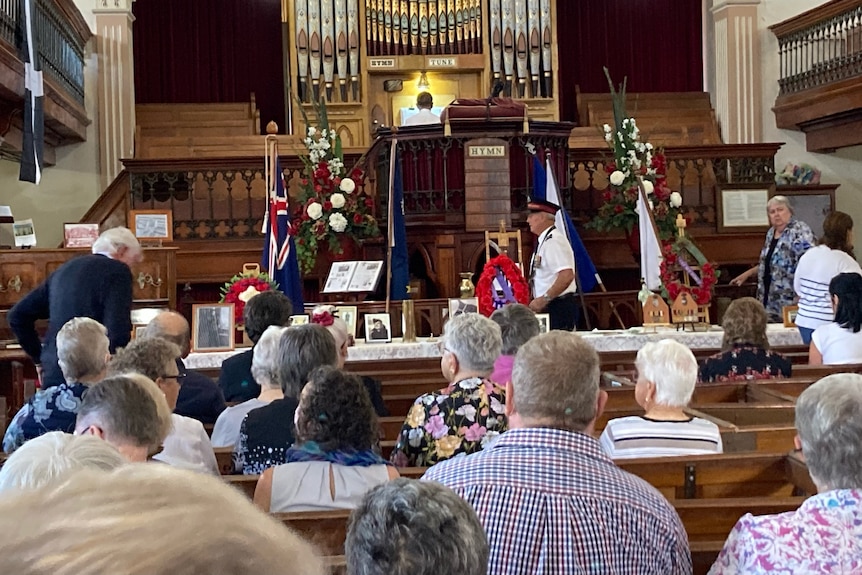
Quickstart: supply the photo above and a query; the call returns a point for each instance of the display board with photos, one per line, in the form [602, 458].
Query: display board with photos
[353, 276]
[212, 327]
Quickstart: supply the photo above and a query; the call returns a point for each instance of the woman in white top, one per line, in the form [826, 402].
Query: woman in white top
[333, 464]
[264, 369]
[840, 342]
[667, 373]
[816, 269]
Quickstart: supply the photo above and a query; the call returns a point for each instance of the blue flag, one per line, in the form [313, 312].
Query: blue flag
[33, 139]
[279, 252]
[545, 188]
[399, 264]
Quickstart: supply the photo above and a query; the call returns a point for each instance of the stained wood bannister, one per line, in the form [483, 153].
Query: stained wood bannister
[61, 34]
[820, 94]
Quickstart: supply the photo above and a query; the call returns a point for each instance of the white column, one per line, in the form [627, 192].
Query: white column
[737, 87]
[116, 85]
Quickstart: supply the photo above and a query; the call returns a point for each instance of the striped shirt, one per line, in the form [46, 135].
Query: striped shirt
[816, 269]
[638, 436]
[552, 503]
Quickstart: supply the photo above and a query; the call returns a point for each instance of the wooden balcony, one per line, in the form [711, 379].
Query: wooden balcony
[820, 94]
[61, 34]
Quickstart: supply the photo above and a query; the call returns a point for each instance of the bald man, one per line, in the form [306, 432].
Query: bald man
[200, 398]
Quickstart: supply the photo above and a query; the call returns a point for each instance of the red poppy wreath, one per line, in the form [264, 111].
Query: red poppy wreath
[512, 286]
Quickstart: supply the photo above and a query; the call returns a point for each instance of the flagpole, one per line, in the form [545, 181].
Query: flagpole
[390, 232]
[270, 161]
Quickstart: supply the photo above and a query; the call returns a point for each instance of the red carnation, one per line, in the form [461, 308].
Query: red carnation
[618, 208]
[357, 218]
[318, 188]
[369, 203]
[327, 205]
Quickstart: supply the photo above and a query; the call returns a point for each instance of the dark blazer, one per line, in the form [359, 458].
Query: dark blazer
[93, 286]
[235, 379]
[200, 398]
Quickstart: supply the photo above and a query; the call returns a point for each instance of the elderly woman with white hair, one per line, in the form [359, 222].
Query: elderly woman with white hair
[82, 352]
[468, 413]
[667, 373]
[825, 534]
[264, 369]
[326, 315]
[55, 456]
[786, 241]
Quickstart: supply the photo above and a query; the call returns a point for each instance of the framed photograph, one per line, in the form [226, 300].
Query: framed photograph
[299, 319]
[212, 327]
[80, 235]
[789, 313]
[378, 328]
[138, 329]
[742, 207]
[348, 314]
[458, 306]
[152, 224]
[544, 322]
[24, 232]
[143, 316]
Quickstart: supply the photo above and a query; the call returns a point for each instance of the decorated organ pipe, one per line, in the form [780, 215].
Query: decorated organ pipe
[496, 39]
[327, 30]
[432, 26]
[300, 13]
[371, 28]
[508, 24]
[341, 47]
[443, 27]
[396, 27]
[479, 21]
[521, 44]
[405, 28]
[315, 46]
[381, 34]
[387, 26]
[533, 26]
[414, 26]
[547, 65]
[423, 26]
[459, 25]
[353, 45]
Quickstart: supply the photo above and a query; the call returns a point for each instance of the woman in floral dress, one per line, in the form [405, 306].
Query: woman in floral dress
[786, 241]
[469, 412]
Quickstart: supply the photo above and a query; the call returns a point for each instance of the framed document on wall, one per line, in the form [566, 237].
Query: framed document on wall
[152, 224]
[742, 207]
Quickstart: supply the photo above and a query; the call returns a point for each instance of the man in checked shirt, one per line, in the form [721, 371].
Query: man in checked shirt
[550, 500]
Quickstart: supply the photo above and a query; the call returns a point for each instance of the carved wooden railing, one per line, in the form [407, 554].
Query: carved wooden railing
[61, 35]
[821, 46]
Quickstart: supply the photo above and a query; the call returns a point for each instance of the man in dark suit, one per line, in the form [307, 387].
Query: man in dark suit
[98, 286]
[200, 398]
[263, 310]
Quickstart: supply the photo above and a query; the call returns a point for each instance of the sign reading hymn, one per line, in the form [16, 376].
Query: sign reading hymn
[486, 151]
[381, 62]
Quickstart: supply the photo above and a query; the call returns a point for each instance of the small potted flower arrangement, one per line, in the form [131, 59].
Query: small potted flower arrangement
[333, 210]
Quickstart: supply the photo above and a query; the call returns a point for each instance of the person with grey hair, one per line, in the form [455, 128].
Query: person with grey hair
[825, 534]
[267, 432]
[550, 500]
[82, 353]
[667, 374]
[786, 241]
[467, 414]
[518, 325]
[188, 445]
[124, 412]
[264, 368]
[200, 398]
[53, 457]
[397, 530]
[146, 520]
[98, 286]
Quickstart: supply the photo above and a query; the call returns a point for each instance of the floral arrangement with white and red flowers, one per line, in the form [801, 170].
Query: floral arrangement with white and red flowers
[241, 288]
[633, 160]
[333, 206]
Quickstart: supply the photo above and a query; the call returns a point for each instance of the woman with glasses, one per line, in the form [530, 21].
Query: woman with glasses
[188, 445]
[468, 413]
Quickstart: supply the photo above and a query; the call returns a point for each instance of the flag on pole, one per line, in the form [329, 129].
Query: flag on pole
[279, 253]
[399, 263]
[545, 188]
[650, 246]
[34, 121]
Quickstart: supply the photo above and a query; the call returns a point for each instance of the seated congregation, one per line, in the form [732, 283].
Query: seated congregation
[511, 453]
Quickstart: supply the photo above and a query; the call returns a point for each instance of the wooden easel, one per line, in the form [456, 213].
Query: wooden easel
[501, 240]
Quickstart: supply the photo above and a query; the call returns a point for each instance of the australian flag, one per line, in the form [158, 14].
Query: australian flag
[279, 252]
[545, 188]
[33, 141]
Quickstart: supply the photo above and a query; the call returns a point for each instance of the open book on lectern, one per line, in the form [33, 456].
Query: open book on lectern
[351, 277]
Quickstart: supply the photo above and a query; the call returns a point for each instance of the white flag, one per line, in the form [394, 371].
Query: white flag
[650, 247]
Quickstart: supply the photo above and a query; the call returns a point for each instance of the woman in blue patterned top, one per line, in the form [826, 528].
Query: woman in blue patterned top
[82, 352]
[786, 241]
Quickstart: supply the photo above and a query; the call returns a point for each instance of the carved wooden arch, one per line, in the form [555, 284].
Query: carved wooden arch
[429, 261]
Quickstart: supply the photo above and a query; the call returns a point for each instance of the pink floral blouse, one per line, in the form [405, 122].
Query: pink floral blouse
[823, 536]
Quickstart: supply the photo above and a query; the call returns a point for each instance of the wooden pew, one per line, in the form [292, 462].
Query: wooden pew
[797, 473]
[224, 459]
[247, 483]
[711, 476]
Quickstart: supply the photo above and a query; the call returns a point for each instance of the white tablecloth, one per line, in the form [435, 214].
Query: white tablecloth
[604, 341]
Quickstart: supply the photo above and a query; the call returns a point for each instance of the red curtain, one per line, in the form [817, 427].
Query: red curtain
[657, 44]
[201, 51]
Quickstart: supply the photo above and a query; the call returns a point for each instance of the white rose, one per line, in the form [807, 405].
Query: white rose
[617, 178]
[314, 210]
[337, 200]
[648, 187]
[312, 130]
[347, 186]
[337, 222]
[675, 199]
